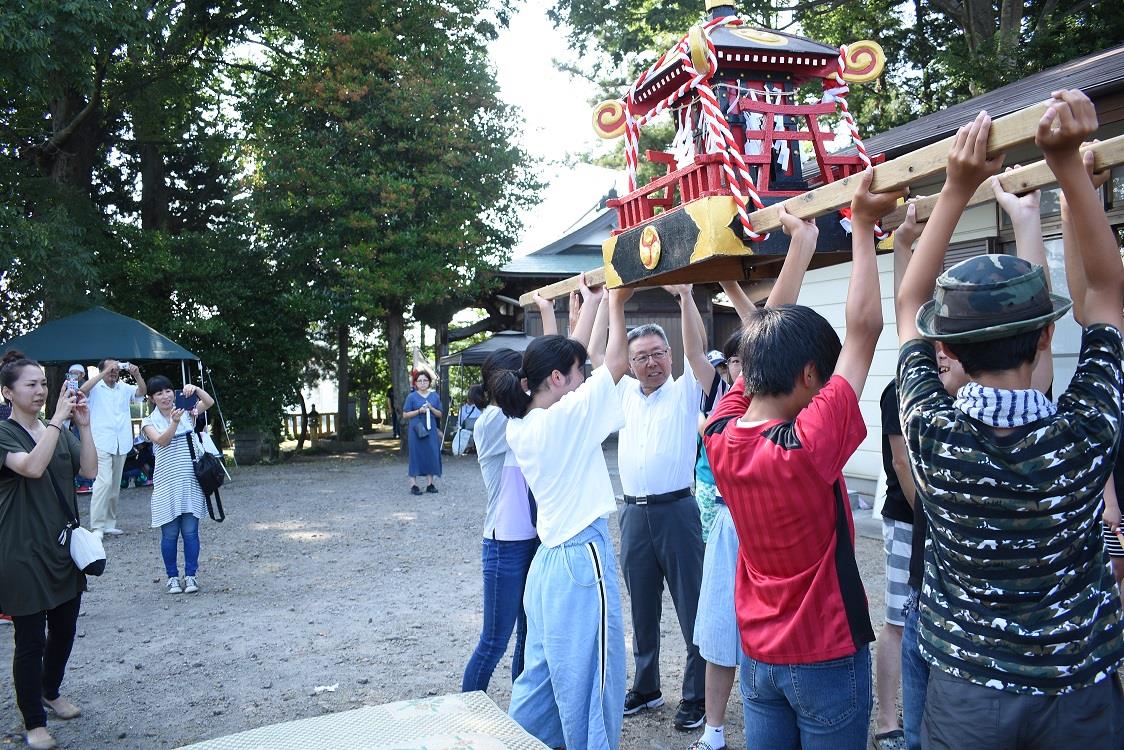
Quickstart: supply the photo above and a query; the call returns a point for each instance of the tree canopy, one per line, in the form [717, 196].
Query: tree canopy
[939, 52]
[252, 177]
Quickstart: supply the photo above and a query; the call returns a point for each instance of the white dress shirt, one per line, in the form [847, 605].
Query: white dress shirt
[656, 447]
[110, 417]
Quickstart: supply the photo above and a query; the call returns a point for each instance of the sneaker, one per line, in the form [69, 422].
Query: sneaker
[635, 702]
[84, 489]
[114, 532]
[189, 585]
[691, 715]
[415, 490]
[174, 586]
[432, 489]
[704, 745]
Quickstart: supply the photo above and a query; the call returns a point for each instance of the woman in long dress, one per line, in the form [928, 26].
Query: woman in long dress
[178, 503]
[423, 412]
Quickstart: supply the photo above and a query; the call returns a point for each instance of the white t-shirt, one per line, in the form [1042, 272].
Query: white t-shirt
[656, 448]
[110, 418]
[508, 517]
[559, 451]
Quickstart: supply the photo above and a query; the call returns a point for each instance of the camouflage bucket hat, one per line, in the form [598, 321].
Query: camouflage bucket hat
[989, 297]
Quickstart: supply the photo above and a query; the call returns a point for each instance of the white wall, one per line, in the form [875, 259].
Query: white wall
[825, 290]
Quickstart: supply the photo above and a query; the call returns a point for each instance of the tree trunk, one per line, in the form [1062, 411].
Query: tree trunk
[398, 364]
[343, 376]
[154, 187]
[302, 431]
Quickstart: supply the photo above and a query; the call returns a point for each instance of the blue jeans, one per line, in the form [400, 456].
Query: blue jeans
[820, 706]
[188, 526]
[505, 565]
[915, 674]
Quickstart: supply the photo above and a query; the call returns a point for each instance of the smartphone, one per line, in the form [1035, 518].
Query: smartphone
[187, 403]
[72, 382]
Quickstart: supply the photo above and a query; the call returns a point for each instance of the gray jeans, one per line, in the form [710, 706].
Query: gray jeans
[960, 714]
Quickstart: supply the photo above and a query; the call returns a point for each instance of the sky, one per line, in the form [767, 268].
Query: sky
[557, 111]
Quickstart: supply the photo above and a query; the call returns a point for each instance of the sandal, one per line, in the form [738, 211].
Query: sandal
[62, 708]
[892, 740]
[40, 739]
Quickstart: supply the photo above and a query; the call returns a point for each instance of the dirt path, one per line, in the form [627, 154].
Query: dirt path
[326, 572]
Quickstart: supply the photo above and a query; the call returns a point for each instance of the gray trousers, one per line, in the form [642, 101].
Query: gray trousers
[663, 542]
[960, 714]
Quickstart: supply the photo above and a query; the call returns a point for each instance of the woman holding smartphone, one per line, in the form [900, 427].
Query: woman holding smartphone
[40, 587]
[177, 499]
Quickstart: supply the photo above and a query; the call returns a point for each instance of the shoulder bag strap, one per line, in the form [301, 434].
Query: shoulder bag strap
[218, 498]
[847, 569]
[70, 514]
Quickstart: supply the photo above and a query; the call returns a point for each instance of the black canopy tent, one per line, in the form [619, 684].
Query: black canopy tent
[475, 355]
[98, 333]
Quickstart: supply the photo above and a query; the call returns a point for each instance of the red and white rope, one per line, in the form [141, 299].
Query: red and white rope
[719, 138]
[838, 94]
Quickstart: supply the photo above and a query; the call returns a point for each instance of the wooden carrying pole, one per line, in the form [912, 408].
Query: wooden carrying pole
[1022, 180]
[1006, 133]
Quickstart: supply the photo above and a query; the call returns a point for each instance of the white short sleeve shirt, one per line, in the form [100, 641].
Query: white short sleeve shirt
[559, 451]
[110, 418]
[656, 448]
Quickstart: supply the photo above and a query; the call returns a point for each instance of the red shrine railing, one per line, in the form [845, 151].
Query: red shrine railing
[704, 176]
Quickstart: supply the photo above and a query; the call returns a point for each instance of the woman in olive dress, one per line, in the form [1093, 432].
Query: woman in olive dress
[40, 587]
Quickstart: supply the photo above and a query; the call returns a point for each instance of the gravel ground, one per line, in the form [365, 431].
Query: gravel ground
[326, 572]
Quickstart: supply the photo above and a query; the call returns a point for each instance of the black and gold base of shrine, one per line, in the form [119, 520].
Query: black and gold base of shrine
[701, 241]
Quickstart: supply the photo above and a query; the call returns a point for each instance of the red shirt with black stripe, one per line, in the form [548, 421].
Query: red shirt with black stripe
[798, 596]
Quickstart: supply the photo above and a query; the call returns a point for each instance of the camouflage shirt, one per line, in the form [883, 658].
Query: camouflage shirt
[1018, 594]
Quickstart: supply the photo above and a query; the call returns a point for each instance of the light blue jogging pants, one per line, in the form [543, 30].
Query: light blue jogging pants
[571, 691]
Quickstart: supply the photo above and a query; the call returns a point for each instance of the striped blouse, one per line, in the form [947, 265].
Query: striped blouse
[175, 490]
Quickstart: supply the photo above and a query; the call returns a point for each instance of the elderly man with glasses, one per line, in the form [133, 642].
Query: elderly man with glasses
[661, 534]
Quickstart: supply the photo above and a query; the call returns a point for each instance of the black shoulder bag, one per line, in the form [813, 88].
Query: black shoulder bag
[210, 475]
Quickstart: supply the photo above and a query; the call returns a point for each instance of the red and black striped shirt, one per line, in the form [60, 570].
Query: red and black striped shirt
[797, 593]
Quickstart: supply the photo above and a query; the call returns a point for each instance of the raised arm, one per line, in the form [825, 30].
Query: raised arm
[1070, 120]
[743, 305]
[168, 434]
[546, 311]
[1026, 221]
[1074, 268]
[694, 335]
[32, 464]
[863, 311]
[591, 299]
[616, 351]
[968, 166]
[904, 237]
[89, 384]
[205, 399]
[801, 248]
[598, 339]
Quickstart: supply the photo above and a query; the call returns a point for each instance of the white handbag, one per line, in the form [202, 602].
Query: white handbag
[86, 550]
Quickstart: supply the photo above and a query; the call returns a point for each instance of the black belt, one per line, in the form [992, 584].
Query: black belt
[663, 497]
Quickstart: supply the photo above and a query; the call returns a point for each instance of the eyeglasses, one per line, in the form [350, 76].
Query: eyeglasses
[658, 356]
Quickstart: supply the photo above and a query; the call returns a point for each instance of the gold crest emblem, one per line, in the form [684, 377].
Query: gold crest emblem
[650, 247]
